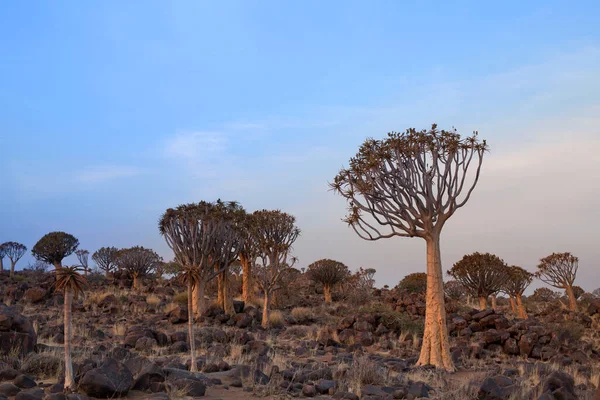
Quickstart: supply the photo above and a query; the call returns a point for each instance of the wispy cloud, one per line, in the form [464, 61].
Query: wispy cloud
[197, 146]
[104, 173]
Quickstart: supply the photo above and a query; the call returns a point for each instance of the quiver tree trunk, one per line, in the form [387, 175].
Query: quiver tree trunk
[327, 293]
[57, 265]
[246, 279]
[136, 281]
[225, 297]
[193, 365]
[513, 304]
[482, 303]
[198, 301]
[1, 265]
[572, 299]
[436, 347]
[521, 307]
[12, 268]
[266, 323]
[493, 302]
[221, 290]
[68, 328]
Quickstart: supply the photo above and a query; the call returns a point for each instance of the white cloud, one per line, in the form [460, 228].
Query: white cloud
[198, 146]
[103, 173]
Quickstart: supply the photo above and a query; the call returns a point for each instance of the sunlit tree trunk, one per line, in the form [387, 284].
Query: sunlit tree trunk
[57, 265]
[136, 281]
[69, 381]
[482, 303]
[266, 311]
[246, 279]
[436, 347]
[193, 365]
[521, 306]
[225, 292]
[221, 290]
[327, 293]
[493, 302]
[572, 299]
[199, 303]
[513, 305]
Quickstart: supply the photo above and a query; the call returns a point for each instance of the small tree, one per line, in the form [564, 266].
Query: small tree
[82, 256]
[518, 280]
[414, 283]
[482, 274]
[71, 283]
[544, 295]
[137, 261]
[328, 273]
[275, 233]
[454, 290]
[106, 259]
[54, 247]
[411, 183]
[14, 251]
[559, 270]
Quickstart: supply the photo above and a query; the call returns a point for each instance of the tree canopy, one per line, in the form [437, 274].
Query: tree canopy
[54, 247]
[414, 283]
[481, 273]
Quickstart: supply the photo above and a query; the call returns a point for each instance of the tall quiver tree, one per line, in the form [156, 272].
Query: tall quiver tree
[138, 262]
[275, 233]
[411, 183]
[53, 247]
[82, 256]
[328, 273]
[483, 274]
[14, 251]
[2, 255]
[106, 259]
[71, 283]
[189, 275]
[248, 254]
[559, 270]
[518, 280]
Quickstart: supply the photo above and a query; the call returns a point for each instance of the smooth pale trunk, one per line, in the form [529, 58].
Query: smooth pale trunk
[12, 268]
[246, 279]
[266, 310]
[193, 365]
[513, 305]
[436, 346]
[327, 293]
[521, 307]
[493, 302]
[69, 381]
[225, 296]
[482, 303]
[572, 299]
[221, 290]
[198, 302]
[136, 282]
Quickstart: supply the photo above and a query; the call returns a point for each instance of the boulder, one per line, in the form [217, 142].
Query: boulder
[34, 295]
[16, 332]
[111, 379]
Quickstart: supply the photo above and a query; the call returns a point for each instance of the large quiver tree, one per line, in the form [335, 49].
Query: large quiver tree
[138, 262]
[559, 270]
[106, 259]
[328, 273]
[518, 280]
[53, 247]
[14, 251]
[411, 183]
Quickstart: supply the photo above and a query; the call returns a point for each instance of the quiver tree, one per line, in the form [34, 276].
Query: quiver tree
[82, 257]
[71, 283]
[559, 270]
[248, 253]
[454, 290]
[54, 247]
[137, 261]
[2, 255]
[106, 259]
[482, 274]
[518, 280]
[275, 233]
[411, 183]
[14, 251]
[328, 273]
[198, 234]
[544, 295]
[189, 275]
[414, 283]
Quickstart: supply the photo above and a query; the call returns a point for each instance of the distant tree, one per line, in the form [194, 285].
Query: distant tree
[138, 262]
[327, 273]
[544, 295]
[275, 233]
[454, 290]
[14, 251]
[482, 274]
[54, 247]
[559, 270]
[414, 283]
[82, 256]
[38, 266]
[518, 280]
[596, 292]
[2, 255]
[411, 183]
[71, 283]
[106, 259]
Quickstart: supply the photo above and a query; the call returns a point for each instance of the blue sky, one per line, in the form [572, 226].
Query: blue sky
[111, 111]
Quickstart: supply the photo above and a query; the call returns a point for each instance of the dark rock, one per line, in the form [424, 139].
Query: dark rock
[419, 390]
[9, 390]
[345, 396]
[16, 332]
[309, 391]
[30, 394]
[242, 321]
[560, 386]
[511, 347]
[151, 374]
[111, 379]
[238, 306]
[24, 382]
[490, 390]
[189, 387]
[324, 386]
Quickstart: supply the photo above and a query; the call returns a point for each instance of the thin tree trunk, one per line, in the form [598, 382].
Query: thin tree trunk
[327, 293]
[513, 305]
[221, 290]
[199, 304]
[106, 273]
[246, 278]
[136, 282]
[572, 299]
[1, 265]
[227, 295]
[12, 268]
[265, 317]
[482, 303]
[436, 346]
[521, 306]
[493, 302]
[69, 381]
[193, 365]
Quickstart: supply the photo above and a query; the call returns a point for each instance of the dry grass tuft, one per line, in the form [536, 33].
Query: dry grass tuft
[302, 315]
[153, 300]
[276, 319]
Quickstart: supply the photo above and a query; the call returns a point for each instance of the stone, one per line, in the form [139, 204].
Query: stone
[24, 382]
[490, 390]
[309, 391]
[9, 390]
[16, 332]
[419, 390]
[111, 379]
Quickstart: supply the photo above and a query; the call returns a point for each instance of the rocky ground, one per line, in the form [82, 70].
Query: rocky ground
[134, 344]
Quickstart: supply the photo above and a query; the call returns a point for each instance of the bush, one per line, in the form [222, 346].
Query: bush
[302, 315]
[181, 298]
[414, 283]
[42, 365]
[154, 300]
[276, 319]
